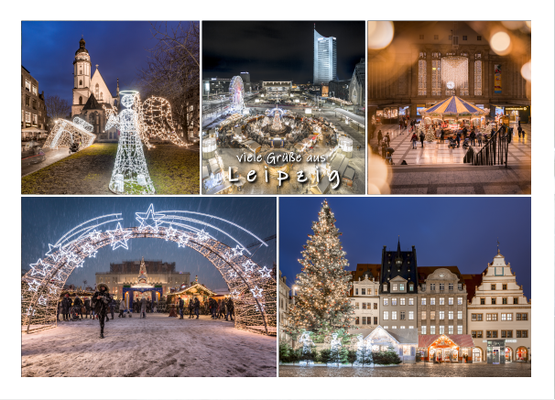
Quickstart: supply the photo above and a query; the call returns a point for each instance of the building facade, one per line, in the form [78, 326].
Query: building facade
[215, 86]
[283, 306]
[156, 274]
[246, 81]
[277, 89]
[325, 59]
[90, 95]
[499, 316]
[365, 299]
[357, 94]
[33, 108]
[429, 61]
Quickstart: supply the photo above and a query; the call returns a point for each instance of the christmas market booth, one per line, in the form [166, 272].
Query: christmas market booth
[445, 348]
[453, 110]
[403, 341]
[196, 290]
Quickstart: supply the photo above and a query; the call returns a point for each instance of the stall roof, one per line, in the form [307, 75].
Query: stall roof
[460, 340]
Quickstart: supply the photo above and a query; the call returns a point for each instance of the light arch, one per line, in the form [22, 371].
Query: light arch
[252, 287]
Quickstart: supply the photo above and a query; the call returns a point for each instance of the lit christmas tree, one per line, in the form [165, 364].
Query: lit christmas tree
[322, 304]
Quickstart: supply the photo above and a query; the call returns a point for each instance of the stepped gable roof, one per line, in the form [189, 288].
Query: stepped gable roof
[472, 281]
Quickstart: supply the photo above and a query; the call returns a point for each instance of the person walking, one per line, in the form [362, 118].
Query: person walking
[78, 305]
[414, 140]
[387, 139]
[458, 139]
[121, 308]
[181, 305]
[87, 307]
[143, 307]
[197, 306]
[479, 136]
[442, 136]
[191, 308]
[112, 307]
[422, 138]
[380, 136]
[230, 309]
[66, 305]
[472, 137]
[101, 301]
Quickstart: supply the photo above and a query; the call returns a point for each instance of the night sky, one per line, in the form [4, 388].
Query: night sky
[276, 50]
[46, 220]
[119, 48]
[449, 231]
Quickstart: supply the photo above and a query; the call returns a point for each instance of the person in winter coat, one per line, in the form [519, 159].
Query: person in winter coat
[458, 139]
[143, 307]
[191, 308]
[422, 139]
[101, 301]
[197, 306]
[479, 137]
[472, 137]
[121, 308]
[59, 311]
[78, 305]
[379, 136]
[87, 307]
[112, 307]
[180, 307]
[66, 305]
[230, 309]
[414, 140]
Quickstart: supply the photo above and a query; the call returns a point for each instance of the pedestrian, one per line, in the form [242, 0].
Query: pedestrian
[197, 306]
[422, 138]
[101, 301]
[442, 136]
[383, 150]
[143, 307]
[387, 139]
[181, 305]
[479, 137]
[121, 308]
[472, 138]
[112, 307]
[230, 309]
[191, 308]
[379, 136]
[66, 305]
[78, 304]
[414, 140]
[458, 139]
[523, 133]
[87, 304]
[59, 311]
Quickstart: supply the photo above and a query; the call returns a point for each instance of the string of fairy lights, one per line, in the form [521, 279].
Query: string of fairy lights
[66, 133]
[253, 287]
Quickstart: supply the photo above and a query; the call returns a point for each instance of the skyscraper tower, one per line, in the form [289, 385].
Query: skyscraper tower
[325, 59]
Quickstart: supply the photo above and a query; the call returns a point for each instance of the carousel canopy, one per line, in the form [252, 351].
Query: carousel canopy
[453, 106]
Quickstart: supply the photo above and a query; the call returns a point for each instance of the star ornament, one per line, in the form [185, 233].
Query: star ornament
[53, 289]
[119, 237]
[55, 252]
[150, 219]
[249, 266]
[265, 272]
[183, 240]
[31, 311]
[39, 268]
[95, 235]
[238, 250]
[89, 250]
[42, 300]
[170, 232]
[256, 292]
[34, 286]
[202, 236]
[235, 294]
[232, 274]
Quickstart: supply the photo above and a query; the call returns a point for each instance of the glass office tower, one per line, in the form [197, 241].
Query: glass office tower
[325, 59]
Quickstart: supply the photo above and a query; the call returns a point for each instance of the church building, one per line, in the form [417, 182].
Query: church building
[90, 95]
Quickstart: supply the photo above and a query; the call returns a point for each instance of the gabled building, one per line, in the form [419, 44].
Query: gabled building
[365, 297]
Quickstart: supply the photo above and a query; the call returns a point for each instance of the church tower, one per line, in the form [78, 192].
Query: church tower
[81, 78]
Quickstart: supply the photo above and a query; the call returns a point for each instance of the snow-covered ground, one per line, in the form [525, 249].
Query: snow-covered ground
[155, 346]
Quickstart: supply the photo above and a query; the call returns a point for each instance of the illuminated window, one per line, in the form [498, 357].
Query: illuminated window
[402, 301]
[28, 85]
[393, 314]
[422, 65]
[423, 301]
[450, 314]
[411, 301]
[432, 315]
[385, 287]
[459, 330]
[411, 314]
[491, 317]
[423, 330]
[441, 329]
[423, 315]
[459, 301]
[394, 301]
[436, 77]
[385, 301]
[394, 287]
[441, 301]
[451, 301]
[459, 314]
[477, 78]
[386, 315]
[433, 301]
[451, 330]
[442, 315]
[432, 330]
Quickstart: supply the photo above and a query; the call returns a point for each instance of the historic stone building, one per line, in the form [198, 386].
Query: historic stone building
[283, 306]
[157, 274]
[428, 61]
[499, 315]
[33, 109]
[365, 298]
[357, 84]
[90, 95]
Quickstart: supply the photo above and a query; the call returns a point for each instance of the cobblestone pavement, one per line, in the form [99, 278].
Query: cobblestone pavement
[413, 370]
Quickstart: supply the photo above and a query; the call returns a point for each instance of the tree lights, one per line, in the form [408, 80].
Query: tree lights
[254, 294]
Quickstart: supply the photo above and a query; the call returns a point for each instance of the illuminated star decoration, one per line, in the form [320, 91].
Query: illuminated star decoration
[42, 300]
[232, 274]
[235, 294]
[249, 266]
[124, 237]
[39, 268]
[55, 252]
[170, 232]
[183, 240]
[238, 250]
[202, 236]
[95, 235]
[265, 272]
[150, 219]
[256, 292]
[58, 276]
[260, 307]
[53, 289]
[89, 249]
[31, 311]
[34, 286]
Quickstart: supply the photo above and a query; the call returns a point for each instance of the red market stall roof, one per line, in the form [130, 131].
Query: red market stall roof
[460, 340]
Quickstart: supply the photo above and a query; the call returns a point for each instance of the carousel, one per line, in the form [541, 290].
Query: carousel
[453, 113]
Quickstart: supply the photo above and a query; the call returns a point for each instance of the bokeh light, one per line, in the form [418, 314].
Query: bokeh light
[526, 71]
[378, 175]
[513, 25]
[500, 42]
[380, 34]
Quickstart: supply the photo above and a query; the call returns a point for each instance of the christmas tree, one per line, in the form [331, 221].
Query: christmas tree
[430, 136]
[322, 304]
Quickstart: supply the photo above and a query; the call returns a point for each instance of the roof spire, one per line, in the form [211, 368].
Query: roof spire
[398, 245]
[498, 246]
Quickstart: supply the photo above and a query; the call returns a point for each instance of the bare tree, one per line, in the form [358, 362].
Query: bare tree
[173, 72]
[57, 107]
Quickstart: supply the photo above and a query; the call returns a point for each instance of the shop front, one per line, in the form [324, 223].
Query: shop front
[444, 348]
[496, 351]
[512, 114]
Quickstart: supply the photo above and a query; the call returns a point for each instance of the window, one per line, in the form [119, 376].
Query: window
[504, 300]
[433, 287]
[515, 300]
[482, 301]
[441, 287]
[34, 90]
[394, 301]
[393, 314]
[357, 305]
[423, 330]
[423, 301]
[402, 326]
[442, 315]
[451, 315]
[27, 85]
[460, 286]
[402, 287]
[451, 331]
[394, 287]
[424, 287]
[96, 91]
[356, 291]
[27, 116]
[433, 301]
[504, 286]
[363, 291]
[411, 301]
[421, 37]
[411, 287]
[411, 314]
[357, 321]
[521, 334]
[27, 100]
[478, 37]
[385, 287]
[375, 320]
[464, 37]
[493, 287]
[385, 315]
[80, 82]
[459, 314]
[102, 99]
[432, 315]
[35, 119]
[459, 330]
[441, 329]
[477, 334]
[363, 320]
[393, 327]
[506, 334]
[459, 301]
[385, 301]
[422, 65]
[450, 287]
[476, 317]
[423, 315]
[402, 301]
[451, 301]
[493, 300]
[491, 317]
[402, 314]
[375, 306]
[436, 77]
[432, 330]
[491, 334]
[522, 316]
[442, 301]
[364, 306]
[80, 100]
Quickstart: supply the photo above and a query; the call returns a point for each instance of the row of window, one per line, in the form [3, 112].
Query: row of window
[366, 306]
[441, 286]
[398, 287]
[450, 301]
[400, 327]
[402, 315]
[366, 320]
[504, 300]
[402, 301]
[438, 81]
[364, 291]
[505, 334]
[441, 330]
[30, 87]
[28, 102]
[450, 315]
[26, 116]
[464, 37]
[504, 317]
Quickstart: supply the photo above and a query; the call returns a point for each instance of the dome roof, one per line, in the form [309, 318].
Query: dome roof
[81, 48]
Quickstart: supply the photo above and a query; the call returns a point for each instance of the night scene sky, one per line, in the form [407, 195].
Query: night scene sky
[274, 50]
[120, 49]
[46, 220]
[449, 231]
